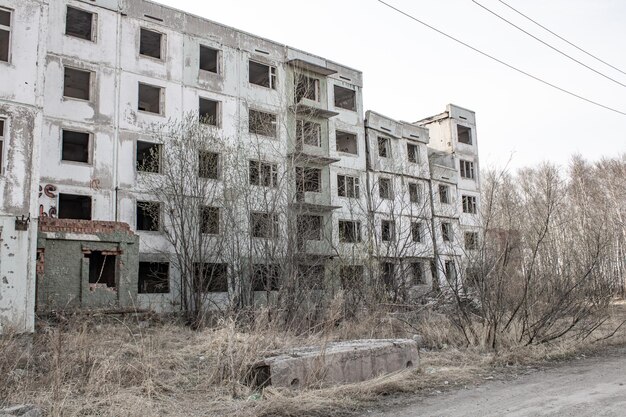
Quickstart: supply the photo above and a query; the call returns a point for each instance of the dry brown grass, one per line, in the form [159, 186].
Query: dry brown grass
[98, 366]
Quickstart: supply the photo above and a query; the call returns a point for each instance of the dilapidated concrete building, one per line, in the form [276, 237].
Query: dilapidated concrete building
[84, 83]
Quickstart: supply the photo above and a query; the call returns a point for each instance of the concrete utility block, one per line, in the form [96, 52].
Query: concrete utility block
[336, 363]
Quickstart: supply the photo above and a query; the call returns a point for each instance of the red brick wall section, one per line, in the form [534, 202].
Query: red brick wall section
[47, 224]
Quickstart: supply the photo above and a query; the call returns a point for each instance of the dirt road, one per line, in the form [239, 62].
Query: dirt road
[590, 387]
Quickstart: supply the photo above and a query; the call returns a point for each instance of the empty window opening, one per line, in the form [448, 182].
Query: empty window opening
[262, 123]
[388, 272]
[308, 133]
[444, 194]
[209, 59]
[415, 192]
[345, 98]
[310, 227]
[349, 231]
[261, 74]
[312, 276]
[208, 111]
[74, 207]
[351, 277]
[150, 98]
[346, 142]
[79, 23]
[150, 43]
[347, 186]
[101, 269]
[384, 147]
[446, 232]
[154, 278]
[413, 154]
[148, 216]
[387, 230]
[471, 240]
[417, 232]
[265, 277]
[148, 157]
[469, 204]
[264, 225]
[417, 272]
[210, 220]
[467, 169]
[208, 165]
[450, 271]
[5, 34]
[385, 189]
[75, 146]
[307, 87]
[211, 277]
[263, 174]
[308, 180]
[77, 84]
[464, 134]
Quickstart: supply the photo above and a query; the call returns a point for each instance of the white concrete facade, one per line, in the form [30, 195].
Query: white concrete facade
[36, 110]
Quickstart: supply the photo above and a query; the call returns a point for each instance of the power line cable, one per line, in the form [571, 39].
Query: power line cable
[563, 90]
[547, 44]
[561, 37]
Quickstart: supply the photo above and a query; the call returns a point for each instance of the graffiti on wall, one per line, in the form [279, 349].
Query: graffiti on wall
[47, 201]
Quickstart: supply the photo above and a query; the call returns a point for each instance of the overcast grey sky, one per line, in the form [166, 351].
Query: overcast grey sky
[411, 72]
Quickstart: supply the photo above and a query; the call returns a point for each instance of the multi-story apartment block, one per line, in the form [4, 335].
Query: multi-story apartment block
[88, 91]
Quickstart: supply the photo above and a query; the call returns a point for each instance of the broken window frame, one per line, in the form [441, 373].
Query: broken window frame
[412, 153]
[162, 43]
[77, 35]
[308, 91]
[7, 29]
[206, 118]
[271, 74]
[263, 225]
[349, 231]
[210, 220]
[66, 86]
[466, 169]
[348, 136]
[312, 277]
[161, 108]
[384, 147]
[308, 180]
[218, 54]
[449, 269]
[308, 133]
[469, 204]
[388, 274]
[470, 240]
[211, 277]
[151, 163]
[418, 276]
[263, 174]
[160, 279]
[345, 103]
[310, 227]
[387, 230]
[385, 188]
[152, 211]
[415, 192]
[108, 261]
[88, 146]
[444, 194]
[447, 234]
[208, 169]
[61, 210]
[417, 232]
[348, 186]
[461, 133]
[258, 126]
